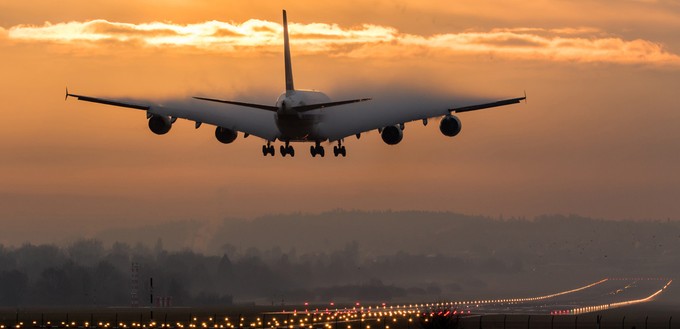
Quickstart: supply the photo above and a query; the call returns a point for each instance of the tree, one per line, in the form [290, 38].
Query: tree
[13, 286]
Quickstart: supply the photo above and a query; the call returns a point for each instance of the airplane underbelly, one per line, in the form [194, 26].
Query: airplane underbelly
[294, 128]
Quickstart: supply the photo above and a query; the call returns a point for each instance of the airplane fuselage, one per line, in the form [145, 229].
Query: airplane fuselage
[297, 126]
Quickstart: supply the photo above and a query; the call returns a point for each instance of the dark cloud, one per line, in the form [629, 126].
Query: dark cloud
[513, 41]
[221, 33]
[265, 28]
[125, 30]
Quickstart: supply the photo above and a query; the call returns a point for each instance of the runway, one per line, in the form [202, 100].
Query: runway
[598, 296]
[533, 311]
[601, 295]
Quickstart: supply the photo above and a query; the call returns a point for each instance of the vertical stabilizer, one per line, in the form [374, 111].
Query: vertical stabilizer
[286, 55]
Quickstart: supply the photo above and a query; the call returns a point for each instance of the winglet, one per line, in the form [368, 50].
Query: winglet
[68, 94]
[525, 97]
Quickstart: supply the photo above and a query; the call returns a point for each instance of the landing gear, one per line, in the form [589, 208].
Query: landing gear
[317, 149]
[287, 150]
[339, 149]
[284, 150]
[268, 149]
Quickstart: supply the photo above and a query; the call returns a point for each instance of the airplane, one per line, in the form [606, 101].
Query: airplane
[296, 116]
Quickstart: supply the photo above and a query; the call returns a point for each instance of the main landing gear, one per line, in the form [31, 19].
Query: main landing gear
[284, 150]
[314, 150]
[340, 149]
[268, 149]
[287, 150]
[317, 149]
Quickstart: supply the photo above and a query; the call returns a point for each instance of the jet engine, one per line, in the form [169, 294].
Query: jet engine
[450, 126]
[225, 135]
[160, 125]
[392, 135]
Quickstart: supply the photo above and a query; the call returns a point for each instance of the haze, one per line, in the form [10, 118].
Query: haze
[344, 257]
[598, 136]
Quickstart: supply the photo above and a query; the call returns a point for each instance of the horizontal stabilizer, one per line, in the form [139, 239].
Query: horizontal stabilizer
[257, 106]
[305, 108]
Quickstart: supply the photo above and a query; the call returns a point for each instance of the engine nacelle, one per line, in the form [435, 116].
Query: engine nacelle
[225, 135]
[450, 126]
[160, 125]
[392, 135]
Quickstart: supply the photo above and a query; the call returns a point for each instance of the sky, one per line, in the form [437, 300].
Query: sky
[598, 136]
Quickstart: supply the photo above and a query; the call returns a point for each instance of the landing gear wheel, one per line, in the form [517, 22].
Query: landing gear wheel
[317, 150]
[343, 151]
[283, 150]
[336, 151]
[290, 150]
[267, 150]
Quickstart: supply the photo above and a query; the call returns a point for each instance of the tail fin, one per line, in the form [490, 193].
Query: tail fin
[286, 55]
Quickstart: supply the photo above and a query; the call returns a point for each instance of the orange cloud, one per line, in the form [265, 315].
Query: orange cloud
[581, 44]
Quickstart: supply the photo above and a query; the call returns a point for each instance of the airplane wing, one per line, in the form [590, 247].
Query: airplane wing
[257, 123]
[145, 107]
[488, 105]
[341, 123]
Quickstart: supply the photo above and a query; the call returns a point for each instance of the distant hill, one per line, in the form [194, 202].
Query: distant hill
[544, 246]
[339, 255]
[565, 238]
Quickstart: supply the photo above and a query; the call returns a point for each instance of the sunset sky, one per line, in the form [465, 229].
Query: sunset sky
[598, 136]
